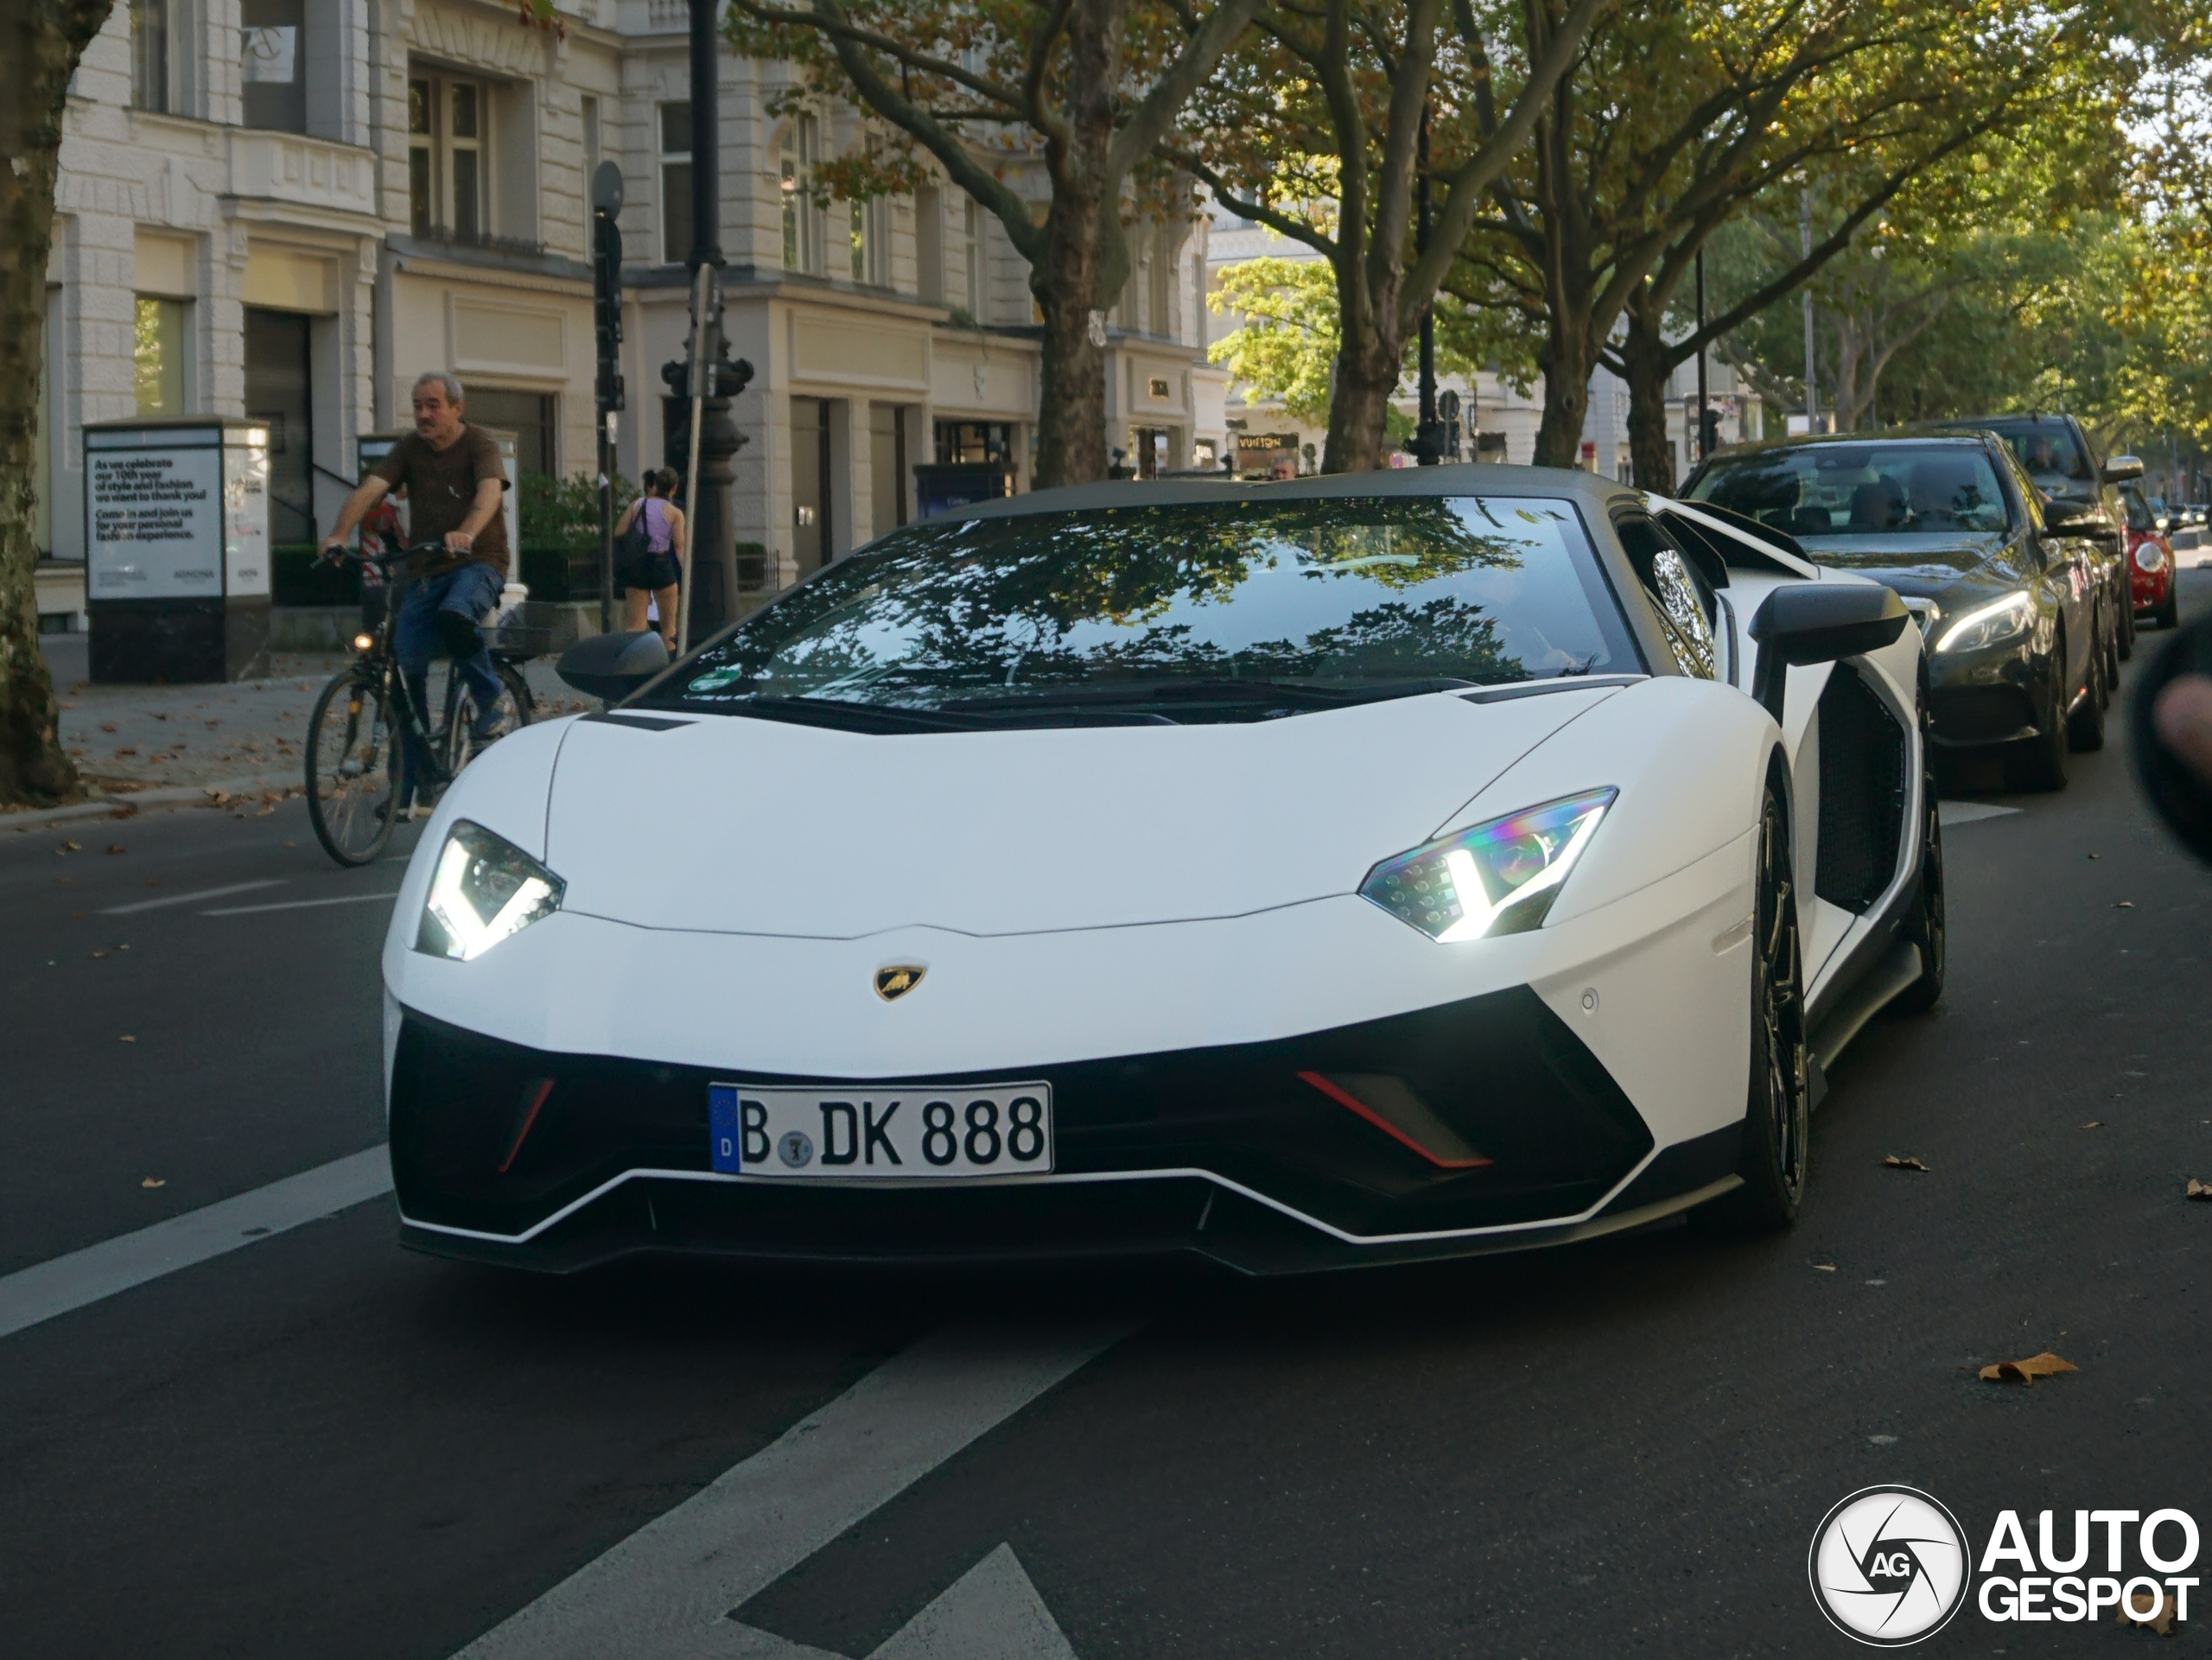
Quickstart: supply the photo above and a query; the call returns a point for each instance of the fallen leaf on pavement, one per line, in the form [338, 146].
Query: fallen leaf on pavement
[2199, 1190]
[69, 847]
[2140, 1610]
[291, 844]
[1907, 1163]
[107, 726]
[2094, 1123]
[265, 812]
[124, 810]
[2045, 1364]
[97, 955]
[153, 1181]
[117, 847]
[2123, 904]
[219, 796]
[2096, 855]
[1824, 1267]
[126, 1037]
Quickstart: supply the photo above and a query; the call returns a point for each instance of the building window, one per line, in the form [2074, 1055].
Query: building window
[448, 172]
[675, 184]
[593, 155]
[795, 179]
[871, 234]
[157, 355]
[1161, 300]
[150, 55]
[272, 67]
[971, 255]
[974, 444]
[929, 245]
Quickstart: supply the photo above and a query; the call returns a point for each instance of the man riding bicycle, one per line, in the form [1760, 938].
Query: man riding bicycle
[454, 476]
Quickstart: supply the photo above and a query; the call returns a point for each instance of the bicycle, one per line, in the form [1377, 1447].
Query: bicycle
[357, 730]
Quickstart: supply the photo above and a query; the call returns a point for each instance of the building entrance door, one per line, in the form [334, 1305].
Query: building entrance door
[280, 391]
[810, 542]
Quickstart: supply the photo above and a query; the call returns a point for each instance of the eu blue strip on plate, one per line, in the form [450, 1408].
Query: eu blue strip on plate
[724, 1134]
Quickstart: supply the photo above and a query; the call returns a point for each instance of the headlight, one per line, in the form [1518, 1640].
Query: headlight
[1499, 878]
[1991, 623]
[485, 889]
[362, 642]
[2147, 557]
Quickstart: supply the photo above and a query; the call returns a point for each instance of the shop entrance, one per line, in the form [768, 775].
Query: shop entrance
[279, 389]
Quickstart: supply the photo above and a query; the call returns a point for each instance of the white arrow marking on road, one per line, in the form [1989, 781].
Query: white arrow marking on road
[32, 1294]
[187, 899]
[992, 1612]
[664, 1592]
[1949, 813]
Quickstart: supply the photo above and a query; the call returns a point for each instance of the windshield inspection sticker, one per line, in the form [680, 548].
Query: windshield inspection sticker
[1890, 1565]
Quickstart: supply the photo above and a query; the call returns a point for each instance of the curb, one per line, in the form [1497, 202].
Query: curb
[181, 795]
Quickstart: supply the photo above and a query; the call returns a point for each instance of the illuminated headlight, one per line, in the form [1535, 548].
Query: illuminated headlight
[1499, 878]
[362, 642]
[484, 890]
[1990, 625]
[2148, 557]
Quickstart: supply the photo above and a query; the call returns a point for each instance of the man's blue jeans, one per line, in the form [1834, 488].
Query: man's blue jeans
[444, 611]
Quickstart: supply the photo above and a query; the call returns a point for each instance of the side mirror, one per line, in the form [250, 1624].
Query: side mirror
[2120, 468]
[1819, 623]
[612, 667]
[2176, 785]
[2064, 516]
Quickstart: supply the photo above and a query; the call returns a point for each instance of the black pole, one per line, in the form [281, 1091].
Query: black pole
[1701, 449]
[1427, 446]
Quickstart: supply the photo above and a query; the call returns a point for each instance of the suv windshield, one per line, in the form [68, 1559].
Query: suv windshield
[1230, 611]
[2049, 451]
[1888, 488]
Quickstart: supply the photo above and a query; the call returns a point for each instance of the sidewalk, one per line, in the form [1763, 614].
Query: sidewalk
[155, 745]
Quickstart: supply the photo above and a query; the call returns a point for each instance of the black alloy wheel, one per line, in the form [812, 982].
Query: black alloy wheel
[2168, 614]
[2085, 726]
[1925, 929]
[1777, 1116]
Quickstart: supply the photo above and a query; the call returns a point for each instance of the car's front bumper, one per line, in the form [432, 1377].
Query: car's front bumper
[1229, 1152]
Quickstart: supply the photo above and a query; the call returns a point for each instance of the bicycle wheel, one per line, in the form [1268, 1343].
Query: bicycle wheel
[350, 770]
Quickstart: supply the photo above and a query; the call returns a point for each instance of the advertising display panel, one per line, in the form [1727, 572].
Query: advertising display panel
[154, 514]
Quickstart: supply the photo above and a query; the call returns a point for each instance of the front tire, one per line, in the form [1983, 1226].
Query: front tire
[1777, 1114]
[2124, 644]
[1926, 928]
[352, 766]
[2085, 726]
[2039, 763]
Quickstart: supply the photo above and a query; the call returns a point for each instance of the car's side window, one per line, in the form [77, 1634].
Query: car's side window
[1685, 605]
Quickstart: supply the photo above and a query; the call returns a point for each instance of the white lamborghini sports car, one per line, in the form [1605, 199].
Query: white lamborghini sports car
[1338, 871]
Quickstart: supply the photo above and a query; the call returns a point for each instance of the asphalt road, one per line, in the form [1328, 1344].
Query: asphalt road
[318, 1445]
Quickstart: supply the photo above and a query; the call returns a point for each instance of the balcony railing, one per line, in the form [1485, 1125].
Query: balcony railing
[307, 172]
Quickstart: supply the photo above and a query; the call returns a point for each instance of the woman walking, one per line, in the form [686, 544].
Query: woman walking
[653, 573]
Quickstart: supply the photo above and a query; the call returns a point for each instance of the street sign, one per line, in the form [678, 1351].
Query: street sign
[607, 189]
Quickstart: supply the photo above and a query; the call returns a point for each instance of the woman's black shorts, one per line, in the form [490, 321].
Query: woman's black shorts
[651, 570]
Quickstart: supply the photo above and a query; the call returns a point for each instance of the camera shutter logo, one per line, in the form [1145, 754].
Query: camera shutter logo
[1889, 1566]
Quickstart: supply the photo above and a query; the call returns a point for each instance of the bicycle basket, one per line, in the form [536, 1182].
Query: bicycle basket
[529, 629]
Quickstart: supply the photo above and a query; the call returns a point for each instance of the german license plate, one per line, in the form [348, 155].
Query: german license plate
[883, 1132]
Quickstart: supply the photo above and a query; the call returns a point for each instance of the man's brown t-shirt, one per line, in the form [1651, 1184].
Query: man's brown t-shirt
[441, 487]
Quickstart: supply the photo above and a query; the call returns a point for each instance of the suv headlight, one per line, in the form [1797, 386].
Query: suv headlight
[1499, 878]
[1989, 625]
[483, 890]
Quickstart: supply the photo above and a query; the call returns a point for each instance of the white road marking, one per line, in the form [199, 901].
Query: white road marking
[991, 1612]
[187, 899]
[1965, 813]
[666, 1591]
[298, 905]
[48, 1288]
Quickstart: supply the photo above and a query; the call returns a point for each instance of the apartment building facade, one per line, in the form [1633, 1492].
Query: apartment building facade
[288, 209]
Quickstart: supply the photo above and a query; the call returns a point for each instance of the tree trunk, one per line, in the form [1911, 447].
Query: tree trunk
[1369, 357]
[1650, 365]
[1072, 405]
[40, 43]
[1566, 361]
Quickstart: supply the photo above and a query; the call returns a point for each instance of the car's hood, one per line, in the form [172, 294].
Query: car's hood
[739, 824]
[1914, 558]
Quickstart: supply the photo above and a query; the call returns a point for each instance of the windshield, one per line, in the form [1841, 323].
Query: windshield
[1887, 489]
[2049, 451]
[1234, 610]
[2139, 511]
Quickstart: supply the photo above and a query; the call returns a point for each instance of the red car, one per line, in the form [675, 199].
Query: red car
[2150, 565]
